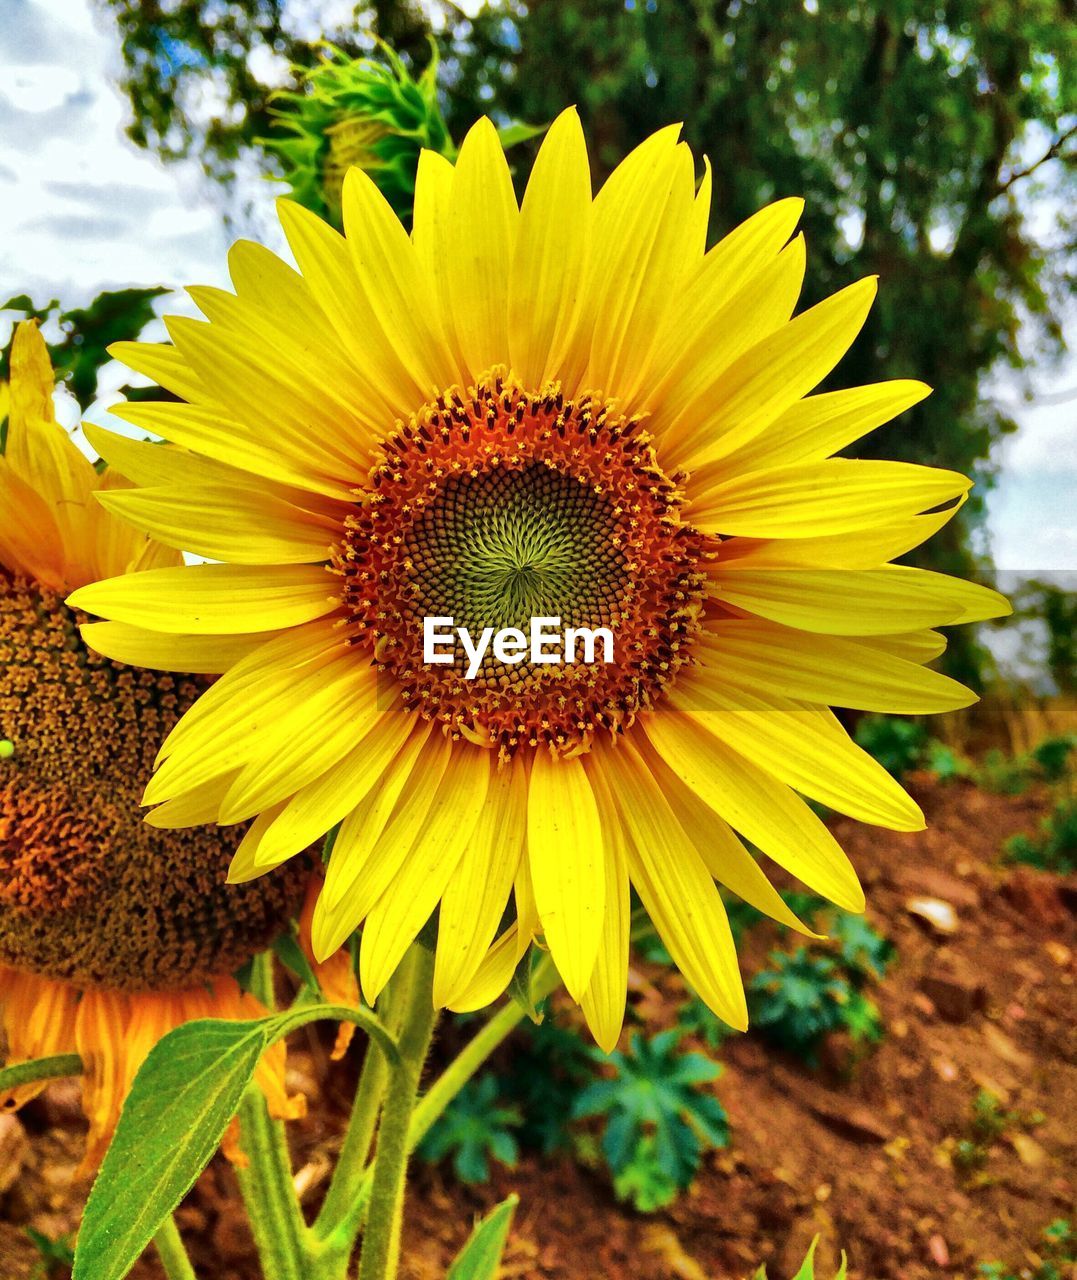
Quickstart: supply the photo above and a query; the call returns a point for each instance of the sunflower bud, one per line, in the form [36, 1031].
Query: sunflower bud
[358, 111]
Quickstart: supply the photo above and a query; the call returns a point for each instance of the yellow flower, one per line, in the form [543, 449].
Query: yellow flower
[111, 931]
[566, 409]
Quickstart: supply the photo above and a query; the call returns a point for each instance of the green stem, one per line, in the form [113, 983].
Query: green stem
[269, 1192]
[171, 1251]
[267, 1185]
[475, 1053]
[455, 1076]
[355, 1150]
[63, 1064]
[381, 1242]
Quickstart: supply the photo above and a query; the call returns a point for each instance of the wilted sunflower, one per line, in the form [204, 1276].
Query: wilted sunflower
[112, 932]
[567, 410]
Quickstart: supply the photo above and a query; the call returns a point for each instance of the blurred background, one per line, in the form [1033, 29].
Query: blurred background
[909, 1084]
[935, 145]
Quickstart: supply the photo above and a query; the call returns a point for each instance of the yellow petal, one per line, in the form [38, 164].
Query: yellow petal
[478, 890]
[30, 542]
[155, 649]
[642, 251]
[375, 837]
[850, 602]
[551, 252]
[737, 256]
[762, 809]
[215, 434]
[390, 275]
[482, 228]
[494, 973]
[723, 854]
[759, 386]
[325, 261]
[161, 363]
[864, 549]
[407, 904]
[565, 854]
[709, 331]
[237, 524]
[321, 804]
[768, 658]
[212, 599]
[673, 884]
[339, 702]
[819, 426]
[801, 746]
[604, 1000]
[817, 499]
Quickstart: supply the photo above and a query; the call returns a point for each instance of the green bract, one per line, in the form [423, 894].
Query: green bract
[358, 111]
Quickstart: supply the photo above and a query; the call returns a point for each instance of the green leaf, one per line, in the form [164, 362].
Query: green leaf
[182, 1099]
[480, 1257]
[513, 134]
[179, 1106]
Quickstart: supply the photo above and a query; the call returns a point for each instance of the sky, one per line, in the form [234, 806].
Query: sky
[82, 209]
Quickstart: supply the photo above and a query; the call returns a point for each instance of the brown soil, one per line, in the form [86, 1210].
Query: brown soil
[859, 1152]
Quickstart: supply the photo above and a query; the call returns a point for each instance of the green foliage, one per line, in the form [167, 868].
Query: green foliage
[552, 1063]
[988, 1121]
[805, 995]
[806, 1270]
[694, 1018]
[474, 1127]
[864, 952]
[1052, 756]
[898, 745]
[659, 1119]
[1057, 1254]
[181, 1101]
[55, 1257]
[88, 332]
[358, 111]
[1055, 848]
[480, 1258]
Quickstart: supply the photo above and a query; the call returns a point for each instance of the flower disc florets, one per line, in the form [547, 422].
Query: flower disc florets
[88, 891]
[495, 506]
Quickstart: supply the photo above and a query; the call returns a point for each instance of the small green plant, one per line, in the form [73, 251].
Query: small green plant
[55, 1257]
[989, 1121]
[695, 1019]
[1052, 756]
[944, 762]
[1004, 775]
[862, 949]
[475, 1127]
[898, 745]
[1057, 1254]
[804, 995]
[659, 1118]
[549, 1067]
[1055, 847]
[807, 1267]
[798, 1000]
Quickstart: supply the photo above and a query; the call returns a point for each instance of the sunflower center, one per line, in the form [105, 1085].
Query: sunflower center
[495, 507]
[88, 891]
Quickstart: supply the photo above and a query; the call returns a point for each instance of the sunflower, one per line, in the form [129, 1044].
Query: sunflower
[565, 409]
[112, 932]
